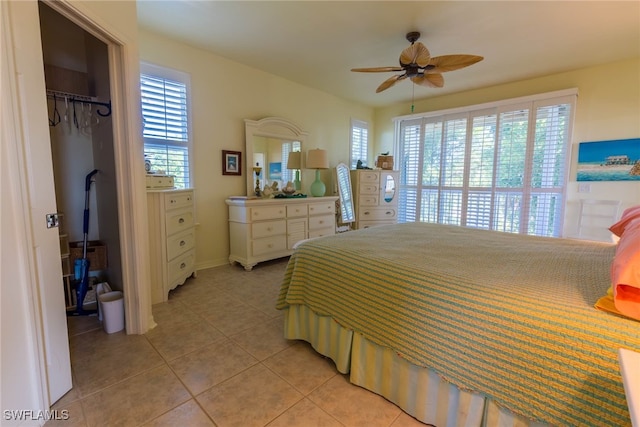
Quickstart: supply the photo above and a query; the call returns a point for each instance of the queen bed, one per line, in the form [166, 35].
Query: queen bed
[465, 327]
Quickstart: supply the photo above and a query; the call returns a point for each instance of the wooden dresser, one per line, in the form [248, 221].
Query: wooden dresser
[171, 240]
[264, 229]
[375, 197]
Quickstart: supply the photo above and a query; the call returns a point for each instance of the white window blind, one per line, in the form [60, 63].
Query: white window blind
[499, 168]
[288, 174]
[165, 116]
[359, 142]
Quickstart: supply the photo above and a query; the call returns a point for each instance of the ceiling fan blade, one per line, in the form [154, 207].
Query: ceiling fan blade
[376, 69]
[441, 64]
[429, 80]
[417, 53]
[390, 82]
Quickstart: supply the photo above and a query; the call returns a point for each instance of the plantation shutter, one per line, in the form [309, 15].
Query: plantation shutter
[500, 168]
[359, 143]
[166, 127]
[408, 162]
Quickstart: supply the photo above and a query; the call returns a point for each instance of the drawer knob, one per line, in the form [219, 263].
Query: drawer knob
[389, 213]
[181, 220]
[182, 266]
[366, 212]
[321, 222]
[182, 243]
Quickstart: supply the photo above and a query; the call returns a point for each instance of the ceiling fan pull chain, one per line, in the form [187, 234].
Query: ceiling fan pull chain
[413, 91]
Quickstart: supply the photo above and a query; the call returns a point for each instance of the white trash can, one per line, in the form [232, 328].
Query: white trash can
[112, 309]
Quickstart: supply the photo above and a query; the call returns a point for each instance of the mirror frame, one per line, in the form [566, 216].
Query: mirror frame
[342, 197]
[269, 127]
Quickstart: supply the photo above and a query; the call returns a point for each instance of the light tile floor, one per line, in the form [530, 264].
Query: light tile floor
[216, 358]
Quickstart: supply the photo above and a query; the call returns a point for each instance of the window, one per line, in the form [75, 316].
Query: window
[165, 114]
[500, 167]
[359, 142]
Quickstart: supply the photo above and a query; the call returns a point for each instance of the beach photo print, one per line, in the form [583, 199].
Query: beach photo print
[617, 160]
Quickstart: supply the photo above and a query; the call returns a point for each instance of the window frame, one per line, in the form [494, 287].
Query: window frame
[175, 75]
[534, 103]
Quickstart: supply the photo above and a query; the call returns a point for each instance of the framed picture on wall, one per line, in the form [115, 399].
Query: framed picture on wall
[615, 160]
[231, 162]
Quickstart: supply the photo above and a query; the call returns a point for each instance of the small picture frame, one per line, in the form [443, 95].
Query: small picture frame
[231, 162]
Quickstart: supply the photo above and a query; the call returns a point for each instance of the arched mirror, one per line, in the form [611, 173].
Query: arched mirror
[268, 143]
[345, 196]
[389, 189]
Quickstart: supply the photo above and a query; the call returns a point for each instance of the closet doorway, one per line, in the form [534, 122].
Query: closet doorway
[76, 66]
[40, 334]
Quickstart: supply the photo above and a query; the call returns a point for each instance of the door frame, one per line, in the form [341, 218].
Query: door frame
[124, 77]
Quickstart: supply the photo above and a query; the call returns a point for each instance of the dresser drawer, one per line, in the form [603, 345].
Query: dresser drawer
[297, 210]
[177, 221]
[375, 214]
[178, 200]
[369, 224]
[369, 177]
[267, 212]
[322, 208]
[321, 232]
[269, 245]
[369, 200]
[268, 228]
[180, 243]
[181, 268]
[369, 188]
[321, 221]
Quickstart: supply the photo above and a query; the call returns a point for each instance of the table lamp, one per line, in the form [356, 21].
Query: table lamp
[317, 159]
[295, 162]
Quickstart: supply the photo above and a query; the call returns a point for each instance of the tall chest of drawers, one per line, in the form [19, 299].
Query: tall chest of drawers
[171, 240]
[265, 229]
[375, 197]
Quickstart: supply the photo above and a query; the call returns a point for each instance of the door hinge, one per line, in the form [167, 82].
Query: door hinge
[52, 220]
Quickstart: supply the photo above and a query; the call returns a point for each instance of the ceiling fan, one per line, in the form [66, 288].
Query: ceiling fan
[418, 65]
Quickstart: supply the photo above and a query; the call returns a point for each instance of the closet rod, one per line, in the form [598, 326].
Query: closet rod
[73, 98]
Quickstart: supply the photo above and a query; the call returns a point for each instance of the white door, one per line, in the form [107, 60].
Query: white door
[32, 122]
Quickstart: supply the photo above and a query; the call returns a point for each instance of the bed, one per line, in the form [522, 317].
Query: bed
[461, 326]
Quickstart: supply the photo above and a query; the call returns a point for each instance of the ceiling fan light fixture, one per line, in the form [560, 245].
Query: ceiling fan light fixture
[420, 67]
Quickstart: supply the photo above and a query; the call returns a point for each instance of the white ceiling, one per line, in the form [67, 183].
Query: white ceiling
[316, 43]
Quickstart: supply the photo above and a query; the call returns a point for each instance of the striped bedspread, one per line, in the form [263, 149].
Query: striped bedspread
[505, 315]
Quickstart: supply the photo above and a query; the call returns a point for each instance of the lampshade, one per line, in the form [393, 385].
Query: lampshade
[317, 159]
[295, 160]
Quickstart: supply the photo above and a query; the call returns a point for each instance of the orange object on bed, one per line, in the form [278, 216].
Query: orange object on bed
[625, 269]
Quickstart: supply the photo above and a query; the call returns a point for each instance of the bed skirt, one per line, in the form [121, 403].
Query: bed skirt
[418, 391]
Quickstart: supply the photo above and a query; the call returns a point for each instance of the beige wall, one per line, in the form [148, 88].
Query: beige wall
[608, 107]
[224, 93]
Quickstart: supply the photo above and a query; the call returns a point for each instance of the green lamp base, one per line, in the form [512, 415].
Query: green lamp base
[318, 188]
[296, 181]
